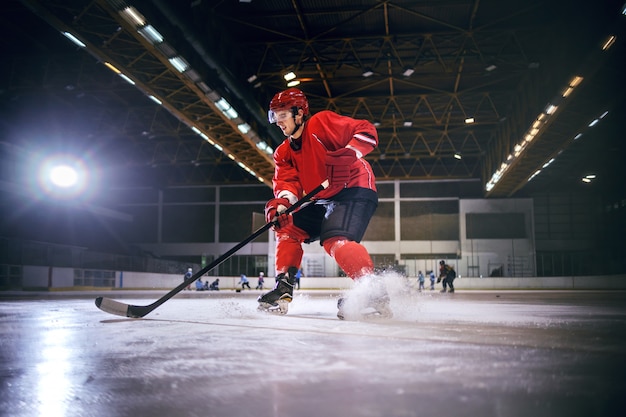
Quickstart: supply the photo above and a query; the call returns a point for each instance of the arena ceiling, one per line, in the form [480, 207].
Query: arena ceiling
[175, 92]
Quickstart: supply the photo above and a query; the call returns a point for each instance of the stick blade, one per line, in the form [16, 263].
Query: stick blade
[121, 309]
[112, 307]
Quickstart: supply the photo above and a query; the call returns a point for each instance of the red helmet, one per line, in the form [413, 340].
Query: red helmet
[287, 100]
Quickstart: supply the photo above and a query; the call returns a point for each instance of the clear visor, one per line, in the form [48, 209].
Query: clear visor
[278, 116]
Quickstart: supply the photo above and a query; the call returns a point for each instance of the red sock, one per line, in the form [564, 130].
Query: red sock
[351, 256]
[288, 252]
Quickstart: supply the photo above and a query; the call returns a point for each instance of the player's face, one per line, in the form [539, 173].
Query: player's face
[285, 121]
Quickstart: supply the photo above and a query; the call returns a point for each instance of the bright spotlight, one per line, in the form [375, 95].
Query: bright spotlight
[63, 177]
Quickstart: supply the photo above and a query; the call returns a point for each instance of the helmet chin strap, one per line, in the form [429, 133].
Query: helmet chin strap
[295, 143]
[296, 128]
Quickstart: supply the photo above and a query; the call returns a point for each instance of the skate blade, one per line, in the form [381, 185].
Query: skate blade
[281, 307]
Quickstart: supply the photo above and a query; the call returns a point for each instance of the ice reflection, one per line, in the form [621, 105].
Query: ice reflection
[53, 373]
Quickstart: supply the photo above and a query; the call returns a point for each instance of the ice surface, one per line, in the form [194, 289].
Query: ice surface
[213, 354]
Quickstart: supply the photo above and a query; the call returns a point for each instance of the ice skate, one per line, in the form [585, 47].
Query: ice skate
[371, 305]
[277, 301]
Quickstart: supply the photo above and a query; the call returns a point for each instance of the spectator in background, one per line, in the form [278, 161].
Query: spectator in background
[431, 275]
[215, 285]
[199, 286]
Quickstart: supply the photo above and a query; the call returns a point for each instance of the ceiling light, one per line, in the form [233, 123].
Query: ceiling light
[408, 72]
[222, 104]
[179, 63]
[534, 174]
[74, 39]
[408, 123]
[567, 92]
[151, 34]
[587, 180]
[293, 83]
[226, 108]
[469, 120]
[132, 16]
[368, 73]
[125, 78]
[608, 43]
[458, 155]
[289, 76]
[265, 148]
[550, 109]
[490, 68]
[575, 81]
[112, 68]
[244, 128]
[231, 113]
[252, 78]
[156, 100]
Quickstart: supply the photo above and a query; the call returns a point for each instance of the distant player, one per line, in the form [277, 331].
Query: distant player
[188, 275]
[447, 275]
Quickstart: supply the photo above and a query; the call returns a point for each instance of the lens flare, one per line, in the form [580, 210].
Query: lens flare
[63, 177]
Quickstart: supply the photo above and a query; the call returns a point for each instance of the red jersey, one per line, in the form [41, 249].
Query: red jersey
[300, 171]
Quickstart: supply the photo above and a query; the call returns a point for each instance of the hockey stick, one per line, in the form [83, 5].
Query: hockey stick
[121, 309]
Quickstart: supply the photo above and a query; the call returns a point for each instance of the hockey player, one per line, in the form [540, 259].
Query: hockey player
[323, 146]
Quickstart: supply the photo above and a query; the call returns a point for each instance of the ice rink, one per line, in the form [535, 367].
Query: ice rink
[472, 353]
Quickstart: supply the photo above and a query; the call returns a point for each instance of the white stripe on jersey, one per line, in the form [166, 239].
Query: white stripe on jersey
[365, 138]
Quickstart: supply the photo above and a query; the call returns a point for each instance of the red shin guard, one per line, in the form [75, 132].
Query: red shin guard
[351, 256]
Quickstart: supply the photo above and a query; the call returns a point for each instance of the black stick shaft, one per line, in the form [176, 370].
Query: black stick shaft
[140, 311]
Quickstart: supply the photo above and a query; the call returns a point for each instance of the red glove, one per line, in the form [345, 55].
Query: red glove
[283, 220]
[338, 166]
[274, 207]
